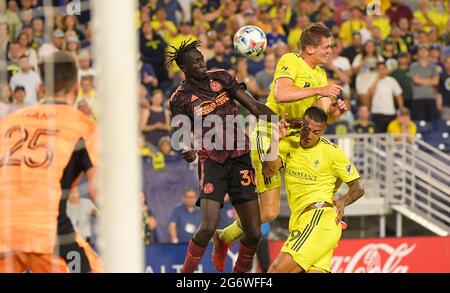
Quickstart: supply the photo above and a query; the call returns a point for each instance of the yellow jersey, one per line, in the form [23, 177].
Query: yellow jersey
[311, 173]
[396, 128]
[293, 66]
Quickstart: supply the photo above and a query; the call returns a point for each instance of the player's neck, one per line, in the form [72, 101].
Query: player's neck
[194, 82]
[308, 60]
[65, 99]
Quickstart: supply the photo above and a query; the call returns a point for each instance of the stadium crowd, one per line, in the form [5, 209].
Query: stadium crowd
[392, 60]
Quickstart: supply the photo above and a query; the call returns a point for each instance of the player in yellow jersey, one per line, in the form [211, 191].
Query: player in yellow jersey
[298, 83]
[314, 170]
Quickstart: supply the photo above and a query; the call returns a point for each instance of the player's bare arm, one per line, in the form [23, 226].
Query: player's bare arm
[252, 105]
[356, 191]
[286, 92]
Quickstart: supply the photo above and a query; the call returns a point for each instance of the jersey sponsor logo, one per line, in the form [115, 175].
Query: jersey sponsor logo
[215, 86]
[349, 169]
[301, 175]
[316, 164]
[208, 188]
[285, 68]
[208, 106]
[307, 84]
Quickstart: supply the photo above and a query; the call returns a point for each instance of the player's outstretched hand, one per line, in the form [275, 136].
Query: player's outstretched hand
[189, 156]
[340, 205]
[337, 108]
[297, 123]
[331, 90]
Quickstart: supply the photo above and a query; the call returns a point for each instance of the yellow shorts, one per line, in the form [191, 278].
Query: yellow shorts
[313, 239]
[260, 143]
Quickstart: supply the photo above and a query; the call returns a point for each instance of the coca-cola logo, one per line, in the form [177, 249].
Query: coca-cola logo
[373, 258]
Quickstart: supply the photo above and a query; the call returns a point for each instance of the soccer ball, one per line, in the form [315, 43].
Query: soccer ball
[250, 41]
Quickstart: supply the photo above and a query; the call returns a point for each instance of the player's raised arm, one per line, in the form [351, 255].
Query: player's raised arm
[255, 107]
[286, 91]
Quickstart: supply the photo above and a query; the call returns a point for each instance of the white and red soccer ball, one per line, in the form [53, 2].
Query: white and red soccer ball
[250, 41]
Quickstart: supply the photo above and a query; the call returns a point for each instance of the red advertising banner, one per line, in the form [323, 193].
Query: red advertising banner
[388, 255]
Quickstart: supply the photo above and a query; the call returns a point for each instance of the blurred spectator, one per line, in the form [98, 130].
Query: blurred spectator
[8, 15]
[242, 75]
[401, 74]
[405, 33]
[401, 42]
[425, 78]
[173, 10]
[147, 76]
[435, 57]
[204, 48]
[398, 11]
[296, 32]
[55, 46]
[73, 45]
[58, 22]
[163, 26]
[353, 24]
[25, 49]
[383, 91]
[19, 99]
[363, 124]
[38, 33]
[144, 102]
[70, 24]
[5, 100]
[184, 35]
[339, 68]
[4, 38]
[276, 33]
[280, 50]
[87, 98]
[153, 48]
[80, 212]
[364, 66]
[355, 47]
[28, 79]
[185, 218]
[155, 121]
[219, 60]
[256, 64]
[264, 77]
[87, 42]
[324, 15]
[402, 124]
[84, 61]
[149, 221]
[444, 90]
[425, 15]
[388, 54]
[263, 18]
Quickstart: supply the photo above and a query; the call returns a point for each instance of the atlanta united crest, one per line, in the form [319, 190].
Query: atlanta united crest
[208, 188]
[215, 86]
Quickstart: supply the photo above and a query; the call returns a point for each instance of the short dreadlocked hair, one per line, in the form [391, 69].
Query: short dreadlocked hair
[177, 54]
